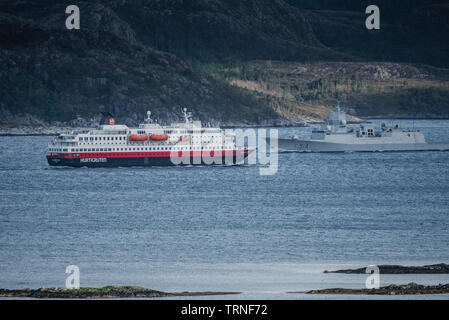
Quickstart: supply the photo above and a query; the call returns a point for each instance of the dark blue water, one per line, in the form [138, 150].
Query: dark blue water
[222, 228]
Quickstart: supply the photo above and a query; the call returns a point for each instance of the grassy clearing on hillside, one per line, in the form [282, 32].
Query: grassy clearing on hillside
[365, 89]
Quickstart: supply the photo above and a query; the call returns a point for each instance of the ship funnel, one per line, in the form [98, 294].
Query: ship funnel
[337, 117]
[105, 118]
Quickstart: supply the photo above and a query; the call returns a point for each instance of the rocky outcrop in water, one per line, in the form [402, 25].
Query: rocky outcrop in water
[398, 269]
[105, 292]
[393, 289]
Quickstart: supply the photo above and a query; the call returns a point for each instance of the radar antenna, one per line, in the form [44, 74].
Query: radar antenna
[187, 115]
[148, 119]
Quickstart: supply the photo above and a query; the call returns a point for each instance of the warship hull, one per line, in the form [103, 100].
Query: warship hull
[336, 136]
[293, 145]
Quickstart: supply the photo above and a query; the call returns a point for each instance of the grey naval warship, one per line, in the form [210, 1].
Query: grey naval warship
[336, 136]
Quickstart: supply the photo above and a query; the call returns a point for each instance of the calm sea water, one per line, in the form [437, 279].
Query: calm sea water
[225, 228]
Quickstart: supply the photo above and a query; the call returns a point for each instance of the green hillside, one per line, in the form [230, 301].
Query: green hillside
[231, 61]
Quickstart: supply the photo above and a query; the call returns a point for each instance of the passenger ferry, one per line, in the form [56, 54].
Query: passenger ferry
[151, 144]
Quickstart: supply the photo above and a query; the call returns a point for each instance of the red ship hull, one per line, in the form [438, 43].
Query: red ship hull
[148, 159]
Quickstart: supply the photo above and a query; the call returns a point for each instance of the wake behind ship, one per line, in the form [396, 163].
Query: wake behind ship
[112, 145]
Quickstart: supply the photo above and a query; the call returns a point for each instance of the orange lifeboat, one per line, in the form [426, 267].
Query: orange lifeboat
[184, 138]
[158, 137]
[139, 137]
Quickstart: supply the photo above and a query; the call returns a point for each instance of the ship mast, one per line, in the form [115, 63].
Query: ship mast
[187, 115]
[148, 119]
[338, 106]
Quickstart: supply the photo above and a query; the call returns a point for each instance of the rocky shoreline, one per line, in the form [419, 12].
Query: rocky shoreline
[100, 293]
[393, 289]
[32, 126]
[440, 268]
[55, 131]
[34, 131]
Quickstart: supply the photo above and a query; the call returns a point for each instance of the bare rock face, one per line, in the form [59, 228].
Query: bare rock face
[95, 17]
[223, 30]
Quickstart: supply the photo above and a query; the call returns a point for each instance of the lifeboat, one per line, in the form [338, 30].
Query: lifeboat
[158, 137]
[184, 138]
[138, 137]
